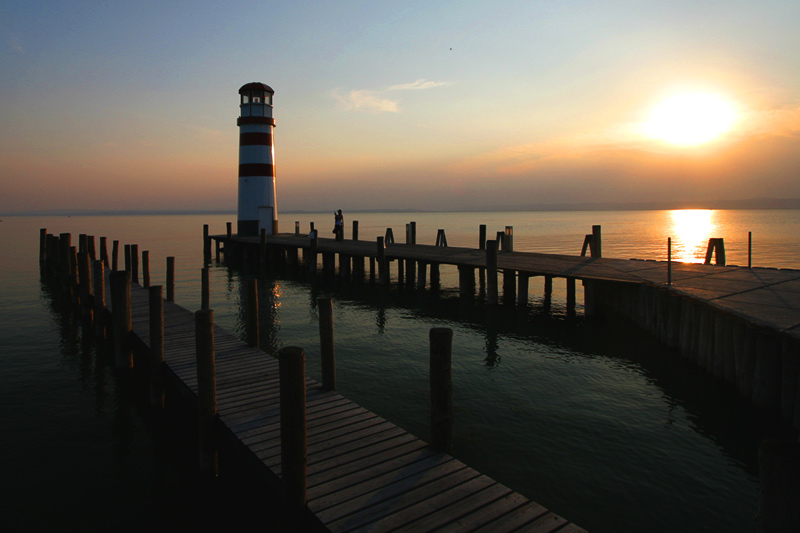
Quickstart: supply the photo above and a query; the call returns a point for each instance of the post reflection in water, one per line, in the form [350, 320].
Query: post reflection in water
[690, 231]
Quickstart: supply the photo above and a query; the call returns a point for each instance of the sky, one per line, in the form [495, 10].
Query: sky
[432, 105]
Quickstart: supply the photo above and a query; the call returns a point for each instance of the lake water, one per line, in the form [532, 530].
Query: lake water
[593, 420]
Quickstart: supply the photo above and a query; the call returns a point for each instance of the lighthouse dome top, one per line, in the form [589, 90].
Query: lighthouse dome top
[255, 86]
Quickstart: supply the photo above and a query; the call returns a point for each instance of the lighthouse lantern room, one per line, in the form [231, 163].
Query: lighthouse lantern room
[257, 206]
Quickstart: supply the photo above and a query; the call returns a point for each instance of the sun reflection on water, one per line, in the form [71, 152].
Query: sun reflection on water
[690, 231]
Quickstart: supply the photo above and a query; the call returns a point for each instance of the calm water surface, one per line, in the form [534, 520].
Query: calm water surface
[594, 421]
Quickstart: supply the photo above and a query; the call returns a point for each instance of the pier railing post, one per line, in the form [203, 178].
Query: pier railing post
[327, 347]
[491, 272]
[206, 391]
[121, 318]
[156, 305]
[293, 426]
[206, 244]
[170, 279]
[127, 254]
[355, 230]
[441, 384]
[597, 242]
[252, 313]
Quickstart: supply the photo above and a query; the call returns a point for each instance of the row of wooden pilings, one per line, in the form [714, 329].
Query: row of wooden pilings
[411, 273]
[68, 266]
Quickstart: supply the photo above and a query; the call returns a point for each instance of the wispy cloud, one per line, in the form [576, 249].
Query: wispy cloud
[376, 101]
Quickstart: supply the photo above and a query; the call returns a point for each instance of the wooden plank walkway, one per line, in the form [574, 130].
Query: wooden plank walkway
[364, 473]
[764, 297]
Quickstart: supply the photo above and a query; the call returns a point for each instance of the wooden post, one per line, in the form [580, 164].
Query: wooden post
[156, 301]
[229, 230]
[327, 348]
[491, 272]
[312, 251]
[99, 292]
[135, 263]
[466, 281]
[83, 244]
[778, 473]
[73, 273]
[422, 273]
[597, 242]
[121, 318]
[85, 273]
[441, 348]
[294, 456]
[42, 245]
[204, 289]
[669, 260]
[104, 251]
[508, 239]
[206, 391]
[206, 244]
[355, 230]
[127, 253]
[482, 237]
[92, 250]
[216, 249]
[571, 297]
[252, 313]
[115, 255]
[146, 269]
[749, 249]
[383, 264]
[522, 290]
[297, 228]
[401, 272]
[435, 276]
[170, 279]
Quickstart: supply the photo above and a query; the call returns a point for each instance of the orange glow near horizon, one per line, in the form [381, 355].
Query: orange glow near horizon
[690, 231]
[691, 119]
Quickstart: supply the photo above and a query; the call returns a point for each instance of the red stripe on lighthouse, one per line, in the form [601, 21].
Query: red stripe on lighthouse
[255, 138]
[247, 170]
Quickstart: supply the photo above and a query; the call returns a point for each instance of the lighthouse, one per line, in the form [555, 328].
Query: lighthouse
[257, 207]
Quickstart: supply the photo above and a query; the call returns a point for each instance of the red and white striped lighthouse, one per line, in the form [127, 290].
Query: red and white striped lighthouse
[257, 207]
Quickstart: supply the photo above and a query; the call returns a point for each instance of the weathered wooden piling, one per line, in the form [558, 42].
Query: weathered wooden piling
[135, 263]
[170, 279]
[99, 298]
[252, 313]
[327, 348]
[42, 245]
[206, 244]
[115, 255]
[91, 250]
[127, 254]
[104, 252]
[383, 263]
[156, 322]
[121, 318]
[73, 274]
[491, 273]
[293, 426]
[146, 269]
[441, 385]
[85, 283]
[206, 392]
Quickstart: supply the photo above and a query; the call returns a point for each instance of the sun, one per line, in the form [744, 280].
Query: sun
[690, 119]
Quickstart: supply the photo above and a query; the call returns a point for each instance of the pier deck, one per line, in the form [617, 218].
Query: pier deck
[364, 473]
[765, 297]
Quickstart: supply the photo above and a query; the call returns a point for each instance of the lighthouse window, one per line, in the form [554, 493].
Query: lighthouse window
[245, 99]
[256, 100]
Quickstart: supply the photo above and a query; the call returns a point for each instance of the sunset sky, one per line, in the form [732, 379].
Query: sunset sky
[404, 105]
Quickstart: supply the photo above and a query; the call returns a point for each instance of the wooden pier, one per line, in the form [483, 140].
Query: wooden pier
[361, 472]
[741, 324]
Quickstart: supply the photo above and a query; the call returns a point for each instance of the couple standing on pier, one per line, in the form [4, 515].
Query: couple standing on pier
[338, 225]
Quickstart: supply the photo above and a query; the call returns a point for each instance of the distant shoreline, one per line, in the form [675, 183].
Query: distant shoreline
[753, 203]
